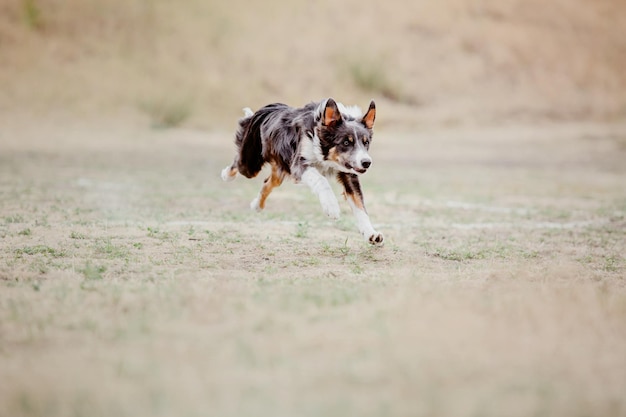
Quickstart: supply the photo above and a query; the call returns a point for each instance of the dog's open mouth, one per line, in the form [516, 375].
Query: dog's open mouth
[359, 170]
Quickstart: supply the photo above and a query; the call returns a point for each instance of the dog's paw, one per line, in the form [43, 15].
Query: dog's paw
[228, 174]
[331, 208]
[255, 205]
[376, 238]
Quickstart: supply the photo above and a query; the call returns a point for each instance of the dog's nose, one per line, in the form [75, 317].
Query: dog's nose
[366, 163]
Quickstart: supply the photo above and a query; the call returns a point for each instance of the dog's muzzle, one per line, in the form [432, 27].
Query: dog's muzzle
[360, 170]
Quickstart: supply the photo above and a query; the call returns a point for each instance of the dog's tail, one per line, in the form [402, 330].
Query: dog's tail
[247, 112]
[249, 139]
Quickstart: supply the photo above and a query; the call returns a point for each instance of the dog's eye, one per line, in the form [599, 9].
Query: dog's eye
[346, 142]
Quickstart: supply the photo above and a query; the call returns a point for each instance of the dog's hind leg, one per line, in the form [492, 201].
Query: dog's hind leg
[274, 180]
[230, 172]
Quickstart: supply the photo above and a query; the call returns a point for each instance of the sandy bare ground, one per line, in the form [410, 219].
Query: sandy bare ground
[135, 283]
[448, 61]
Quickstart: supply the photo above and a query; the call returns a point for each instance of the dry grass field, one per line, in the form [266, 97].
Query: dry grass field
[134, 282]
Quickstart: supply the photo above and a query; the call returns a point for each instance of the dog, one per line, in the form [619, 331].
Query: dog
[309, 144]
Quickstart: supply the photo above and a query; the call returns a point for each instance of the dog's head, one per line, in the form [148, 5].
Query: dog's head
[345, 136]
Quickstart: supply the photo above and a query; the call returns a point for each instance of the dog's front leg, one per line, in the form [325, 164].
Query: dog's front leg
[320, 187]
[354, 195]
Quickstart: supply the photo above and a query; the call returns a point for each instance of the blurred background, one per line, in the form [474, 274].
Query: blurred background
[196, 63]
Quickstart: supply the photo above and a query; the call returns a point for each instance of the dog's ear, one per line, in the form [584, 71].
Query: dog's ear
[330, 114]
[370, 116]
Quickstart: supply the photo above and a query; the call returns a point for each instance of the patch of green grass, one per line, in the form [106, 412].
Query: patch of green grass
[40, 249]
[530, 254]
[14, 218]
[341, 251]
[587, 259]
[356, 259]
[93, 272]
[270, 269]
[155, 233]
[110, 250]
[612, 263]
[167, 113]
[472, 249]
[31, 13]
[302, 230]
[27, 405]
[356, 266]
[372, 77]
[211, 236]
[42, 222]
[345, 224]
[77, 235]
[459, 254]
[39, 265]
[25, 232]
[307, 261]
[229, 236]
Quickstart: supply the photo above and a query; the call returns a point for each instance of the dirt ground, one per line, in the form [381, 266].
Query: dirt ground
[134, 282]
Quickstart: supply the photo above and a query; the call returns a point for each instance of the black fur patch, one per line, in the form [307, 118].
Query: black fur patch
[272, 134]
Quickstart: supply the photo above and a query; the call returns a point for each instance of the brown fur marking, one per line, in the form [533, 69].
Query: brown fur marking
[333, 155]
[370, 116]
[274, 180]
[331, 113]
[352, 189]
[233, 171]
[356, 199]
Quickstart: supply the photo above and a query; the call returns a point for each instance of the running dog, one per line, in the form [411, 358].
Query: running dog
[309, 144]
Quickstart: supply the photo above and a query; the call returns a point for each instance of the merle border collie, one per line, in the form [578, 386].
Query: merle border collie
[309, 144]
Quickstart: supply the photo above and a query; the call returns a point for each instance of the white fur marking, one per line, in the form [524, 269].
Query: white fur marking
[354, 111]
[311, 149]
[362, 220]
[226, 174]
[255, 204]
[361, 155]
[247, 112]
[320, 187]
